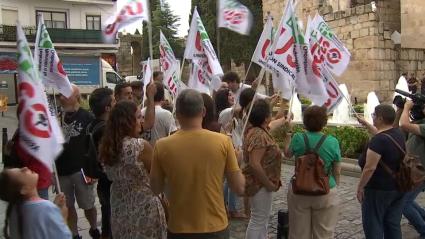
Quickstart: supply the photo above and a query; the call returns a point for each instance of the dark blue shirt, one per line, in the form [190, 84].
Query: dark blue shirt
[391, 155]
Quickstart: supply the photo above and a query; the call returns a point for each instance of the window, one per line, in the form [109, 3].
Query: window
[9, 17]
[92, 22]
[112, 78]
[53, 19]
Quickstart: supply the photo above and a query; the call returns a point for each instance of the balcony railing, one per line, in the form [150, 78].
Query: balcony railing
[8, 33]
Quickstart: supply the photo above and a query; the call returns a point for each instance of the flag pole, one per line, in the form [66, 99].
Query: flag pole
[250, 107]
[218, 43]
[55, 169]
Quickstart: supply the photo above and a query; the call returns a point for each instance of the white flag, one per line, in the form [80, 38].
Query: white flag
[200, 49]
[325, 48]
[283, 86]
[198, 79]
[147, 73]
[170, 66]
[264, 44]
[48, 64]
[38, 130]
[318, 69]
[288, 58]
[234, 16]
[132, 11]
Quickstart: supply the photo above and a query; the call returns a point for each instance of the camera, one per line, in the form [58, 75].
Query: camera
[418, 100]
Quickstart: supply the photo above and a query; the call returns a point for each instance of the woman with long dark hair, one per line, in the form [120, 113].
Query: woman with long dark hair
[135, 211]
[209, 121]
[224, 99]
[28, 215]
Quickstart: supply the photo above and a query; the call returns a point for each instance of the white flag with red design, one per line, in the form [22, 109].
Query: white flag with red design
[170, 66]
[147, 73]
[322, 54]
[262, 50]
[132, 11]
[200, 50]
[198, 79]
[234, 16]
[288, 58]
[49, 66]
[325, 47]
[39, 132]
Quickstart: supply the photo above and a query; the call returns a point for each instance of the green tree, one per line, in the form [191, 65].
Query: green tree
[162, 19]
[232, 45]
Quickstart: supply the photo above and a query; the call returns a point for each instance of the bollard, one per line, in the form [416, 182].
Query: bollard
[282, 224]
[3, 144]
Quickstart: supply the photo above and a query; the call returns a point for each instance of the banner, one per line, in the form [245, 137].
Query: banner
[198, 79]
[289, 58]
[234, 16]
[170, 66]
[325, 48]
[262, 50]
[49, 66]
[39, 133]
[132, 11]
[200, 50]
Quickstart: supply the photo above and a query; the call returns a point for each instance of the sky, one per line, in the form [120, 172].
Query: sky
[180, 8]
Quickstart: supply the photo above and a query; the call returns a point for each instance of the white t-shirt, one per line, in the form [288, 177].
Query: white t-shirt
[163, 125]
[225, 119]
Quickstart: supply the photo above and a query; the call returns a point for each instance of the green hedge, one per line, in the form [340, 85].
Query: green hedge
[351, 139]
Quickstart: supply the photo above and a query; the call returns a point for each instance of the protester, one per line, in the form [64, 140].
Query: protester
[123, 91]
[71, 163]
[135, 211]
[164, 123]
[412, 83]
[415, 145]
[192, 162]
[223, 100]
[315, 216]
[234, 83]
[158, 76]
[209, 121]
[101, 102]
[27, 214]
[16, 156]
[262, 158]
[137, 89]
[381, 201]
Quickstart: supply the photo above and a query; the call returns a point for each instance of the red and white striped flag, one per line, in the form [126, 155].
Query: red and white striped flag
[170, 66]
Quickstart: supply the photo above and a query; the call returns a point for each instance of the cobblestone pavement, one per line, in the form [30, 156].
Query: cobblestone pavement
[349, 225]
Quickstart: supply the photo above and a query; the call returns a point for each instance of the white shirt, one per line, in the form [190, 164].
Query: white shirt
[164, 124]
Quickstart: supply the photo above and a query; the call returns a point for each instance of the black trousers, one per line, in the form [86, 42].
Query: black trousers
[104, 194]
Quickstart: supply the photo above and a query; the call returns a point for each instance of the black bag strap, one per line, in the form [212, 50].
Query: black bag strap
[395, 142]
[318, 145]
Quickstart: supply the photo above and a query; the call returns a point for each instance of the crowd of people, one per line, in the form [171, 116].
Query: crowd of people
[160, 175]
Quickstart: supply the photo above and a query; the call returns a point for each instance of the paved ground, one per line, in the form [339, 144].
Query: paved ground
[349, 224]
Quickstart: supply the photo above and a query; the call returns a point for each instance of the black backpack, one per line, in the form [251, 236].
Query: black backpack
[92, 167]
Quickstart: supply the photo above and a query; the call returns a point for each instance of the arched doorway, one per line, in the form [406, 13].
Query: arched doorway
[136, 57]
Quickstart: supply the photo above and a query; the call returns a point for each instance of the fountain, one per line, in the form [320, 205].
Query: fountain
[341, 114]
[401, 85]
[296, 108]
[372, 102]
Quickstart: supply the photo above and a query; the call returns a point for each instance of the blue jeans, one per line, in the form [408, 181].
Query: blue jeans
[381, 214]
[229, 198]
[413, 212]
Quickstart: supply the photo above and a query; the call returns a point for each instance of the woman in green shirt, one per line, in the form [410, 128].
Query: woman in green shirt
[315, 216]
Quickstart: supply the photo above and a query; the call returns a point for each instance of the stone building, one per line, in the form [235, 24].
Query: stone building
[369, 30]
[129, 54]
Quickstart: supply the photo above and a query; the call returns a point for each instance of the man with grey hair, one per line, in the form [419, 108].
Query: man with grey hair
[71, 162]
[192, 162]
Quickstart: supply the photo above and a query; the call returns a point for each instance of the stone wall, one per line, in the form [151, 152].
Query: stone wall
[413, 24]
[127, 63]
[366, 28]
